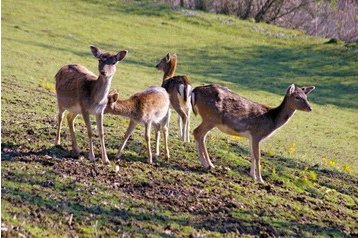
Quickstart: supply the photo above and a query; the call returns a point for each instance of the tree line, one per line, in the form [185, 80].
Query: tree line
[336, 19]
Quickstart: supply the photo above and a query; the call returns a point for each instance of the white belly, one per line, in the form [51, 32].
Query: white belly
[230, 131]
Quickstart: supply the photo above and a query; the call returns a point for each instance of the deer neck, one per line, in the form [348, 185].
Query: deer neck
[101, 89]
[281, 114]
[124, 108]
[170, 71]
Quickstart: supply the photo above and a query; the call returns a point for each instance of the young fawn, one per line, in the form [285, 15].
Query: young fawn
[79, 91]
[179, 90]
[150, 107]
[236, 115]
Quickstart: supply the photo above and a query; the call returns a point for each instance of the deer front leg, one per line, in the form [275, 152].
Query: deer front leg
[59, 123]
[90, 135]
[99, 122]
[256, 156]
[252, 158]
[70, 120]
[130, 129]
[147, 140]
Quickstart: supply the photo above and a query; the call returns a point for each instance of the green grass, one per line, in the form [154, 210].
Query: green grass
[310, 164]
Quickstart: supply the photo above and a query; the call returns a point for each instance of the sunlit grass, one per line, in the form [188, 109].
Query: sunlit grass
[312, 158]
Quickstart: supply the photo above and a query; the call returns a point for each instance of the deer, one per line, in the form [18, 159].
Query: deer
[235, 115]
[179, 89]
[149, 107]
[79, 91]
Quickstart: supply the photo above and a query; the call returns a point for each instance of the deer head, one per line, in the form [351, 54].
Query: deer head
[297, 97]
[167, 63]
[107, 61]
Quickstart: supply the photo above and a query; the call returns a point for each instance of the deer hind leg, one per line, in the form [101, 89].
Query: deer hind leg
[71, 125]
[90, 135]
[180, 125]
[99, 122]
[183, 123]
[165, 128]
[157, 141]
[200, 134]
[130, 129]
[147, 140]
[187, 126]
[255, 170]
[59, 124]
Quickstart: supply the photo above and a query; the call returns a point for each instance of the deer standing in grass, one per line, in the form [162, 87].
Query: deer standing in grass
[236, 115]
[79, 91]
[179, 89]
[150, 107]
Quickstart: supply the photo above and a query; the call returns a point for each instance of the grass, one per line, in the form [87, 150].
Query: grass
[310, 164]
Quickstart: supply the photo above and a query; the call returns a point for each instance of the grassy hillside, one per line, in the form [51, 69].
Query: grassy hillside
[310, 165]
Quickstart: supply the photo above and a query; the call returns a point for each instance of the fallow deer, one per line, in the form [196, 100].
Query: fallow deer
[236, 115]
[79, 91]
[179, 89]
[149, 107]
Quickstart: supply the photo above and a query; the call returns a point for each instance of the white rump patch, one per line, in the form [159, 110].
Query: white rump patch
[181, 90]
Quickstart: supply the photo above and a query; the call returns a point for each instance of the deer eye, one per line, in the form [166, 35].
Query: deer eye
[298, 98]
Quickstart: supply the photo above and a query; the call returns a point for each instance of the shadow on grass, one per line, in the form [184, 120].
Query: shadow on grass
[119, 218]
[216, 219]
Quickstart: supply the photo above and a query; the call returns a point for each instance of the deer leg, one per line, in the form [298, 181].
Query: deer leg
[206, 152]
[256, 153]
[59, 123]
[165, 128]
[183, 123]
[147, 140]
[157, 141]
[252, 158]
[90, 135]
[71, 121]
[130, 129]
[166, 133]
[180, 125]
[99, 122]
[188, 124]
[199, 135]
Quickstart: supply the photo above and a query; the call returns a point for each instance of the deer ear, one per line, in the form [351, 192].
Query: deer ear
[95, 51]
[113, 97]
[121, 55]
[308, 90]
[167, 58]
[291, 89]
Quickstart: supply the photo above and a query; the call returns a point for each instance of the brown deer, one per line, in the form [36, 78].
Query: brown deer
[150, 107]
[179, 89]
[79, 91]
[236, 115]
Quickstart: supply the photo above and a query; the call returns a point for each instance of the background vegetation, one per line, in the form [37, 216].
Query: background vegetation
[310, 165]
[335, 19]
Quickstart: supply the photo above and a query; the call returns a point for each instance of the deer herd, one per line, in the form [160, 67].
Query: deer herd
[79, 91]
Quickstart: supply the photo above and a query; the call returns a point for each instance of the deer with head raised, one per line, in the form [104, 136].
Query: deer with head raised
[149, 107]
[79, 91]
[236, 115]
[179, 89]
